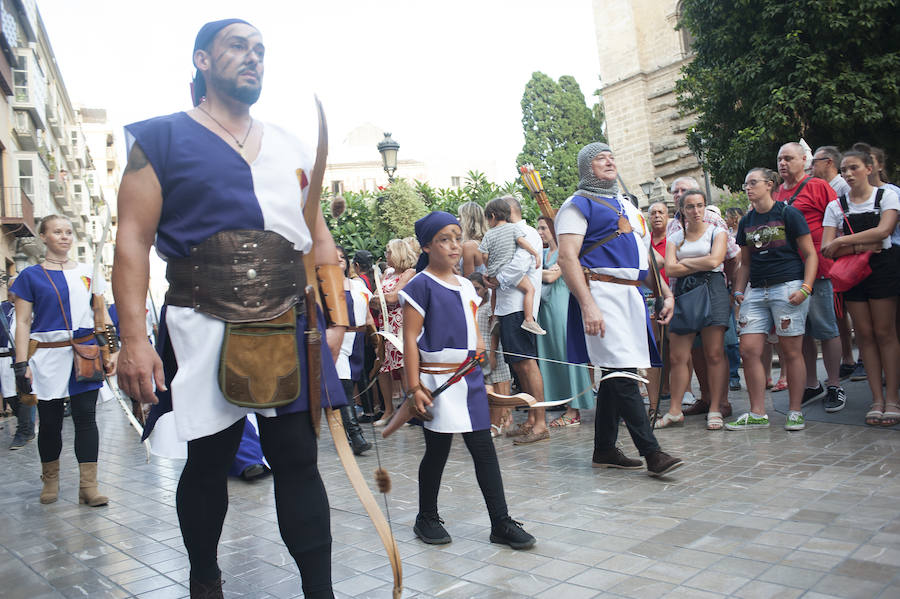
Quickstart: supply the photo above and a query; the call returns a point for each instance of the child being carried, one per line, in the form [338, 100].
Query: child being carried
[506, 251]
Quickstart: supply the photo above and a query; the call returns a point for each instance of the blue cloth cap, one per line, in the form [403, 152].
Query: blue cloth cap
[427, 227]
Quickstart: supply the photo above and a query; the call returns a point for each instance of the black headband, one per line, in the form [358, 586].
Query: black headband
[205, 37]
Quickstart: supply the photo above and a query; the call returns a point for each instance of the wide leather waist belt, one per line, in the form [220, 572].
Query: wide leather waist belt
[439, 367]
[5, 353]
[239, 276]
[593, 276]
[65, 343]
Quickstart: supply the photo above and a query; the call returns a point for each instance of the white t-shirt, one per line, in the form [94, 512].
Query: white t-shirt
[698, 248]
[834, 215]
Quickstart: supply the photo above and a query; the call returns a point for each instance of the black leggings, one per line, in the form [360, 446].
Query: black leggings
[289, 445]
[487, 471]
[84, 416]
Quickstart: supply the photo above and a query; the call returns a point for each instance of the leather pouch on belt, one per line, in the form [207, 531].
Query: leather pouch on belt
[259, 366]
[88, 363]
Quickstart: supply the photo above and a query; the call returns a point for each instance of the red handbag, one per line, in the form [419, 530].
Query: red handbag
[849, 271]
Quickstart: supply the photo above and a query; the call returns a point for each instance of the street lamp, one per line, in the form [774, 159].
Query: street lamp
[647, 188]
[388, 148]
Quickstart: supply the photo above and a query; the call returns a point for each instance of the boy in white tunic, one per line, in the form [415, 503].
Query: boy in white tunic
[439, 335]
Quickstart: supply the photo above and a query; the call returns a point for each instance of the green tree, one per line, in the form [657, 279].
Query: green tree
[398, 209]
[767, 72]
[557, 124]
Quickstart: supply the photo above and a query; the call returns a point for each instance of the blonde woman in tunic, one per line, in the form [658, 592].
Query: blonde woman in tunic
[53, 306]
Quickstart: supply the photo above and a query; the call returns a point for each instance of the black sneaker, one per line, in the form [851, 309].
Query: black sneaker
[428, 528]
[20, 440]
[734, 384]
[846, 370]
[811, 395]
[509, 532]
[835, 400]
[254, 471]
[859, 372]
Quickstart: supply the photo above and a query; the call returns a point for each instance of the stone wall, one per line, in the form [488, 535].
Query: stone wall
[641, 55]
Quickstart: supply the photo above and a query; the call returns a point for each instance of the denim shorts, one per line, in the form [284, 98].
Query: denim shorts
[766, 307]
[821, 323]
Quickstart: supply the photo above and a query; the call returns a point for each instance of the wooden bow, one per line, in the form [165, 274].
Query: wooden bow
[335, 424]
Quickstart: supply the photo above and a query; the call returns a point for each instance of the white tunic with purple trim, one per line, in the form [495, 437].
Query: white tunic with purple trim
[449, 335]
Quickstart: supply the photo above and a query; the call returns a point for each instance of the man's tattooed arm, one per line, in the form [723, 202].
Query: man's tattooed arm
[136, 159]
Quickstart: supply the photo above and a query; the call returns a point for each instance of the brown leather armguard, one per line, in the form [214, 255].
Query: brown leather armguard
[331, 284]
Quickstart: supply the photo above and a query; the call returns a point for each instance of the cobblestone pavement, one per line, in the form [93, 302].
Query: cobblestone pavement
[762, 513]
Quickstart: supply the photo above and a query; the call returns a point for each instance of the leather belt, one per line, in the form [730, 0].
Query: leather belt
[439, 367]
[239, 276]
[66, 343]
[5, 353]
[593, 276]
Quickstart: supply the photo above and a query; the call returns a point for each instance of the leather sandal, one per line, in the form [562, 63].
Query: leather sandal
[669, 420]
[714, 421]
[874, 415]
[891, 415]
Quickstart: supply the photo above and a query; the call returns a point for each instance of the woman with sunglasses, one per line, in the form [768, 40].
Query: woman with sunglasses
[779, 261]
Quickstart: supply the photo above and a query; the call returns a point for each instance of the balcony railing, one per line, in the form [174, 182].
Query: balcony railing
[17, 212]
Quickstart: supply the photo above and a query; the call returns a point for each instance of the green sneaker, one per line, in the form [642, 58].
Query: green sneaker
[795, 422]
[748, 421]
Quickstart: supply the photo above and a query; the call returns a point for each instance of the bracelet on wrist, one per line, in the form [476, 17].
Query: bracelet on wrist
[737, 293]
[804, 292]
[807, 288]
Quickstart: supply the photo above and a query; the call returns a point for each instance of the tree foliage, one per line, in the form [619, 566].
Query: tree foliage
[767, 72]
[371, 219]
[557, 124]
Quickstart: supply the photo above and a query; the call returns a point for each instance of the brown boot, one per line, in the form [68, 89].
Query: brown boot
[699, 407]
[50, 476]
[660, 463]
[87, 488]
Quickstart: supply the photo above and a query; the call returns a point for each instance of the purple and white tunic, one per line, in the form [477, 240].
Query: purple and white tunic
[449, 335]
[53, 367]
[207, 187]
[350, 360]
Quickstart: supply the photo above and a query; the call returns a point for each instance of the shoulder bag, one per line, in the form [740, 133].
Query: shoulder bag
[692, 305]
[849, 271]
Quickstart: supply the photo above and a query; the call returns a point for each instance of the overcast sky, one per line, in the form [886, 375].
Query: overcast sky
[444, 78]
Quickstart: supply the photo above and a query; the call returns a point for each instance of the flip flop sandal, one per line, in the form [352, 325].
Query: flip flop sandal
[781, 385]
[714, 421]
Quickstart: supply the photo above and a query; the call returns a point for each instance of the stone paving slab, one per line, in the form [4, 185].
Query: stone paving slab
[753, 514]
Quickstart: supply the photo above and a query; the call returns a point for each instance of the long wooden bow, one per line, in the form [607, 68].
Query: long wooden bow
[335, 424]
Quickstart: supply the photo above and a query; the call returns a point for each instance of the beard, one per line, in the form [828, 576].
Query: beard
[244, 94]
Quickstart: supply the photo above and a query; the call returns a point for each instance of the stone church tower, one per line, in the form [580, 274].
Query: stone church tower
[641, 55]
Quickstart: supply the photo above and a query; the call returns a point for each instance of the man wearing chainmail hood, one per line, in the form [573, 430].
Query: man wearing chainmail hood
[603, 254]
[220, 195]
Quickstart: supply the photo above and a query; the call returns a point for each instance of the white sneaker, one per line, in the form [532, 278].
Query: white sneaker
[688, 399]
[533, 327]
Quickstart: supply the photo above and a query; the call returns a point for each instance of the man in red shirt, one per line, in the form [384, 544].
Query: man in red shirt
[659, 218]
[810, 196]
